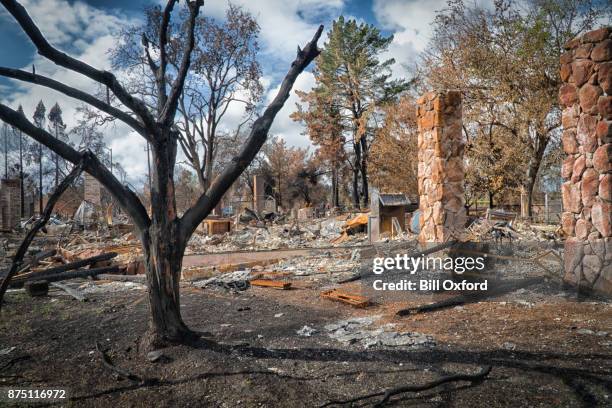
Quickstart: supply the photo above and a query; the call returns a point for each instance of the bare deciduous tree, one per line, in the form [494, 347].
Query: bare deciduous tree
[163, 234]
[224, 72]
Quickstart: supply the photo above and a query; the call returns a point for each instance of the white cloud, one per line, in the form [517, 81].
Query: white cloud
[412, 24]
[285, 24]
[411, 20]
[283, 125]
[87, 32]
[64, 23]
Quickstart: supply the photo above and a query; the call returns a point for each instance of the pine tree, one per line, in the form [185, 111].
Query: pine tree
[21, 148]
[57, 127]
[350, 75]
[39, 121]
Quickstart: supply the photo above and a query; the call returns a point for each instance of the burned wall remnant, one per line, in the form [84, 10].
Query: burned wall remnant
[259, 194]
[440, 170]
[586, 99]
[10, 203]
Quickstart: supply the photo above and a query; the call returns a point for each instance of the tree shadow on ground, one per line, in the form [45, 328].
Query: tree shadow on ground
[579, 380]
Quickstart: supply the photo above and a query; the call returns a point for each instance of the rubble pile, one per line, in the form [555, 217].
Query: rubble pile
[360, 331]
[311, 233]
[235, 281]
[483, 229]
[326, 265]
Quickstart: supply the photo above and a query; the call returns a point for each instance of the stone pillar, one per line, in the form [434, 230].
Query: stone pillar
[259, 194]
[93, 190]
[586, 99]
[440, 171]
[10, 203]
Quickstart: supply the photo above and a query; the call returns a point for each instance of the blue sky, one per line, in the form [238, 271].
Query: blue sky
[85, 29]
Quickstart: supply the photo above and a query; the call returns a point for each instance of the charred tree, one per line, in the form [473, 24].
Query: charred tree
[164, 234]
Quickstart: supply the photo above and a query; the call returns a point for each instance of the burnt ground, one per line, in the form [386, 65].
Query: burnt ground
[553, 352]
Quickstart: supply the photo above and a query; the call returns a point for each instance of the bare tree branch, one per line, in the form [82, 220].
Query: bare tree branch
[126, 198]
[48, 51]
[163, 59]
[76, 94]
[259, 132]
[145, 44]
[166, 116]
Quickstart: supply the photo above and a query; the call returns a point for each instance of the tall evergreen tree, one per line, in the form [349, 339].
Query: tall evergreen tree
[39, 121]
[57, 127]
[21, 147]
[350, 74]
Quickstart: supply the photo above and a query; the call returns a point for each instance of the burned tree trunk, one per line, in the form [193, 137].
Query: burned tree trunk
[163, 262]
[364, 171]
[163, 234]
[532, 173]
[163, 249]
[356, 173]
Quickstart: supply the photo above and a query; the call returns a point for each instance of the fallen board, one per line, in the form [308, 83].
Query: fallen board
[353, 300]
[268, 283]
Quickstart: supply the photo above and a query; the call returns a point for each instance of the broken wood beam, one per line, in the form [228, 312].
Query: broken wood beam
[351, 299]
[82, 273]
[67, 267]
[40, 224]
[78, 295]
[269, 283]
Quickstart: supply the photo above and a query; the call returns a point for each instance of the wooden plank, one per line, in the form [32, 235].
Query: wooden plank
[351, 299]
[269, 283]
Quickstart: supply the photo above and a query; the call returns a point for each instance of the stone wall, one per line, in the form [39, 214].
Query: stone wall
[440, 170]
[586, 99]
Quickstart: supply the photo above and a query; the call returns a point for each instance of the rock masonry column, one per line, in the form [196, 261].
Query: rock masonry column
[586, 99]
[440, 170]
[10, 203]
[93, 190]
